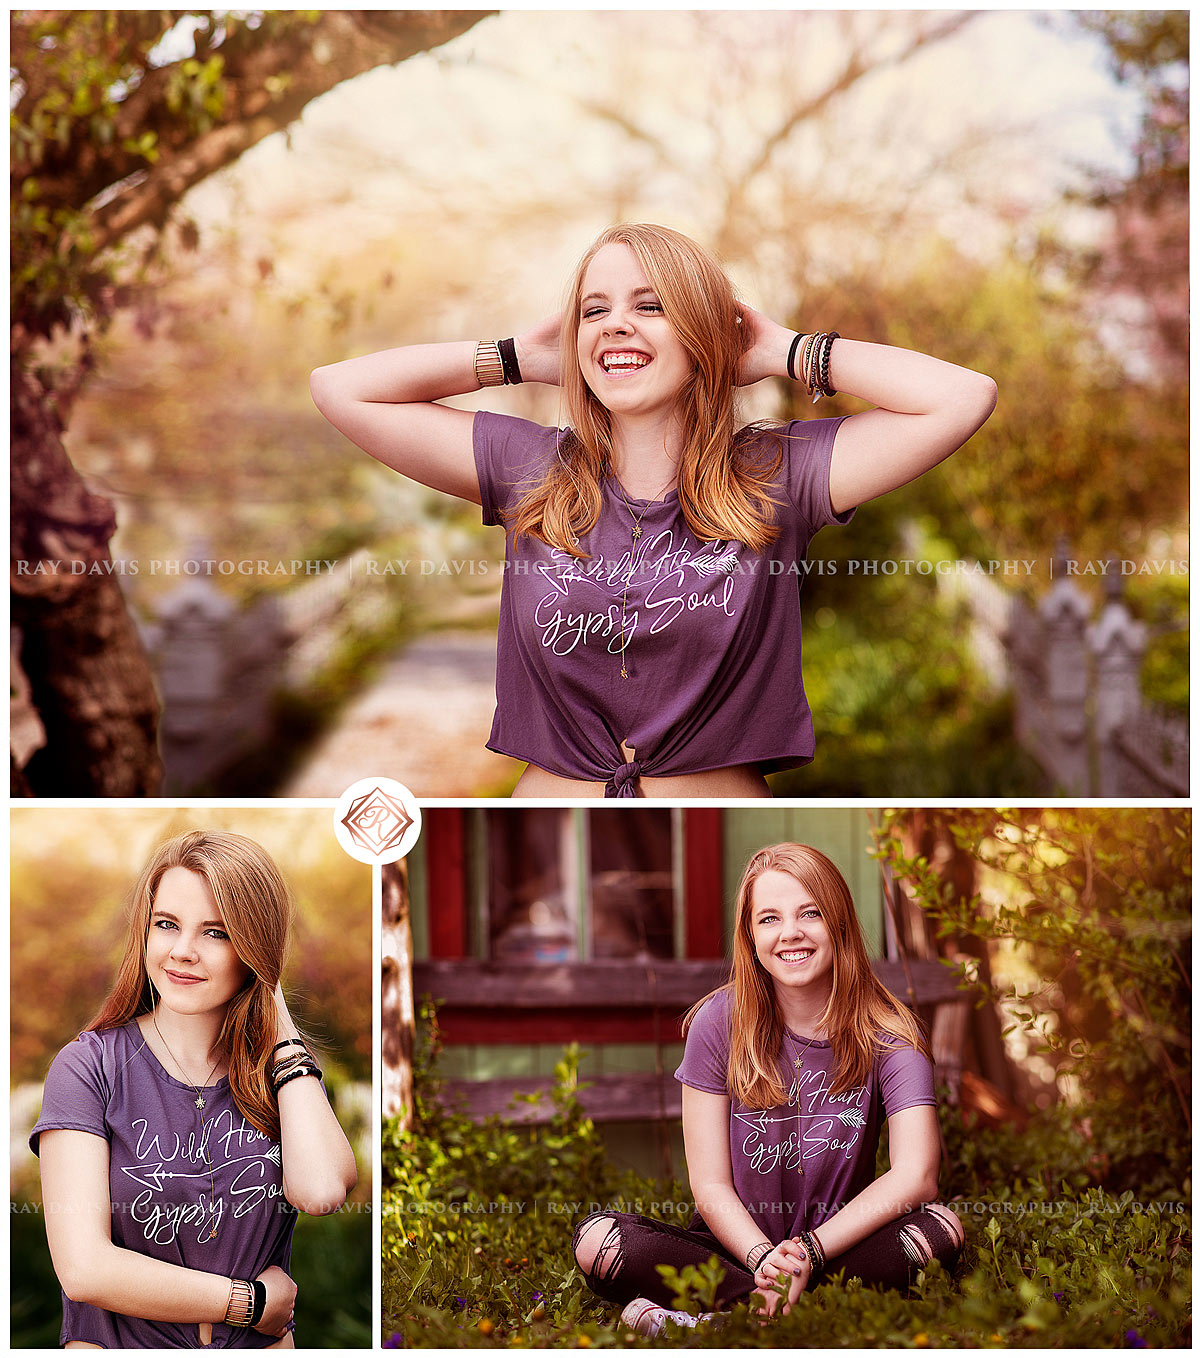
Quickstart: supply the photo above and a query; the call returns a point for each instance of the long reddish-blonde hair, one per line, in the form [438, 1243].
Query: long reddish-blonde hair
[861, 1012]
[256, 908]
[726, 484]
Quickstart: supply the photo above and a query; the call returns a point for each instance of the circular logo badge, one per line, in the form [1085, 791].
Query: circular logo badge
[377, 820]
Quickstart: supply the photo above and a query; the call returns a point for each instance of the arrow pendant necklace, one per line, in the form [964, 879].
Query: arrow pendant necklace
[205, 1157]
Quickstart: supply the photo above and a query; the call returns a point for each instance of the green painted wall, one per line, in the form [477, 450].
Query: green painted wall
[844, 833]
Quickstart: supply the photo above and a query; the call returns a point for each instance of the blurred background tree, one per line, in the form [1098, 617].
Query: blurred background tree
[115, 116]
[1084, 917]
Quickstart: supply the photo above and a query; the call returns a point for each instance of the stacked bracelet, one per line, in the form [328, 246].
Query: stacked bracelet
[240, 1307]
[260, 1302]
[508, 359]
[814, 352]
[757, 1254]
[496, 363]
[489, 367]
[293, 1066]
[815, 1253]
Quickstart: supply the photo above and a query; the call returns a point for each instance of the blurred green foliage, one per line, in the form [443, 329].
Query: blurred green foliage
[331, 1263]
[1097, 903]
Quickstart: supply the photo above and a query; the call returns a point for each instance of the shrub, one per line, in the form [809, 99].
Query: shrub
[478, 1219]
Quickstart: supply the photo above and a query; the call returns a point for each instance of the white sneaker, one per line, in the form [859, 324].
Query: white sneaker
[647, 1317]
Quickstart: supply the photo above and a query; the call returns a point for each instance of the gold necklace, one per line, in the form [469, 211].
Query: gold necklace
[206, 1158]
[798, 1063]
[635, 535]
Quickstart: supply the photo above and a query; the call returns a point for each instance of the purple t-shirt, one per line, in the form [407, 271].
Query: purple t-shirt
[796, 1165]
[711, 635]
[112, 1085]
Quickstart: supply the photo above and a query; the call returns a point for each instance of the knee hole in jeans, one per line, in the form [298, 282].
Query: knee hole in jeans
[949, 1218]
[597, 1247]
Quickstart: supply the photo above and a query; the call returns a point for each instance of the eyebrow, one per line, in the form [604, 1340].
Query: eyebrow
[603, 296]
[166, 914]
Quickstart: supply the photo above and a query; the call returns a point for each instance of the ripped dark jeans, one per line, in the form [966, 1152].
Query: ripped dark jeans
[623, 1255]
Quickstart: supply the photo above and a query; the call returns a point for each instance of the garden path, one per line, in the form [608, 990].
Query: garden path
[424, 721]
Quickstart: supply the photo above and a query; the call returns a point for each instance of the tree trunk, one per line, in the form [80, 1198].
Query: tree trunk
[397, 1012]
[89, 679]
[88, 675]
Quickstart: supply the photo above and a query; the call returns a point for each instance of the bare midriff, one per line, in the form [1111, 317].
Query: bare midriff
[738, 780]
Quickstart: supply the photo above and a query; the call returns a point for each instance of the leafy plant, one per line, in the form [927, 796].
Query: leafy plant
[1052, 1259]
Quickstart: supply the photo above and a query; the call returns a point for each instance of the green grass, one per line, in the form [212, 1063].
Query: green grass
[1078, 1235]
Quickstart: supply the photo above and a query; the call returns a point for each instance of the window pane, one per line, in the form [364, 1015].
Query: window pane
[531, 903]
[632, 887]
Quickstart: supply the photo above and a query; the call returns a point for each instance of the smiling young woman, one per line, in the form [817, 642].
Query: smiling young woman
[183, 1129]
[649, 636]
[789, 1072]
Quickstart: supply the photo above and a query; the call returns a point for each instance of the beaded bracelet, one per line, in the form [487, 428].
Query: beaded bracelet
[815, 1253]
[295, 1075]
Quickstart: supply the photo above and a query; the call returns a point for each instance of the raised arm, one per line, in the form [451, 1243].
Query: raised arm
[92, 1270]
[925, 408]
[318, 1164]
[387, 403]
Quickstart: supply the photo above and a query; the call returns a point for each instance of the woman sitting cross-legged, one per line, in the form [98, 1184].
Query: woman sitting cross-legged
[788, 1074]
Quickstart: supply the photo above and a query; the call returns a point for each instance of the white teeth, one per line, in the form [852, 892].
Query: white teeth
[796, 956]
[623, 362]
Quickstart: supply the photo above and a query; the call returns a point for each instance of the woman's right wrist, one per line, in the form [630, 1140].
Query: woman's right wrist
[757, 1253]
[246, 1304]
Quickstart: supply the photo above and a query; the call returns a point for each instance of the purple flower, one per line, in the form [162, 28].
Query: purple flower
[537, 1296]
[459, 1303]
[1134, 1340]
[1058, 1296]
[394, 1341]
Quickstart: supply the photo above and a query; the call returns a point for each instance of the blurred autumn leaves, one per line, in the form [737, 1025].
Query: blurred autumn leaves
[72, 870]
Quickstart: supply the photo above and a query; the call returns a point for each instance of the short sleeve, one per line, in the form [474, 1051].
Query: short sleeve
[77, 1092]
[807, 454]
[905, 1080]
[511, 456]
[705, 1063]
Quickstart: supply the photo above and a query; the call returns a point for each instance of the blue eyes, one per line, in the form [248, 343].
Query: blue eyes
[219, 934]
[804, 914]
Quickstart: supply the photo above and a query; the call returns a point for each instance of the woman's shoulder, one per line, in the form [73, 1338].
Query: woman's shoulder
[513, 431]
[712, 1018]
[510, 453]
[94, 1051]
[897, 1059]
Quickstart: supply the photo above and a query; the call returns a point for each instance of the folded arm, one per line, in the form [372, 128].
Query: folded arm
[925, 408]
[915, 1153]
[92, 1270]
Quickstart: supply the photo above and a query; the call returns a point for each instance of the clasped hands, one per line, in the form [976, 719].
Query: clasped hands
[788, 1262]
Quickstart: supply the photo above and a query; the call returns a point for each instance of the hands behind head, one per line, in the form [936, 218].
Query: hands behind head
[539, 351]
[767, 344]
[788, 1263]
